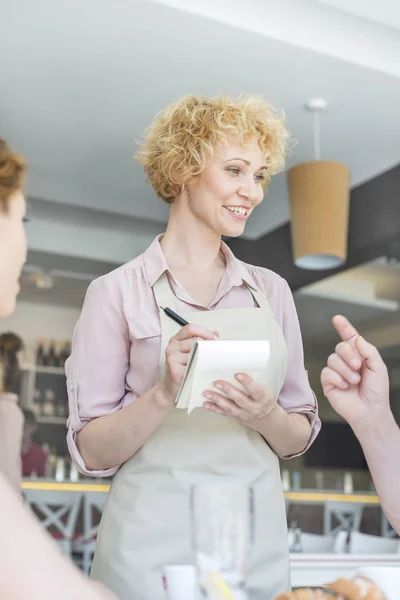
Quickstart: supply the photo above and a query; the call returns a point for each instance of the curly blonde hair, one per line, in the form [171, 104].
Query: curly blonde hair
[181, 139]
[12, 171]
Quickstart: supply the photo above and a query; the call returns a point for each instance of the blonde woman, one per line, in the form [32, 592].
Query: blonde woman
[31, 566]
[210, 159]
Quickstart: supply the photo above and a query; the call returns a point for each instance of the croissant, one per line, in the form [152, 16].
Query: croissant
[358, 588]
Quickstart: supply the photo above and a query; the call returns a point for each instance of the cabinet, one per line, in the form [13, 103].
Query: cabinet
[43, 390]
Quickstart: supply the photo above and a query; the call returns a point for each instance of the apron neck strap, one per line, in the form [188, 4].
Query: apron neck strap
[163, 293]
[258, 296]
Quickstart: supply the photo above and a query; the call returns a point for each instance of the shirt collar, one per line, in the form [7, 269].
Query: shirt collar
[154, 261]
[156, 264]
[236, 271]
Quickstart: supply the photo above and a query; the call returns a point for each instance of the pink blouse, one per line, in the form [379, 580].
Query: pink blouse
[116, 342]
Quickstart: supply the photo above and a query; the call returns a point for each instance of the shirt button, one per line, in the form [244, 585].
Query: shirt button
[71, 387]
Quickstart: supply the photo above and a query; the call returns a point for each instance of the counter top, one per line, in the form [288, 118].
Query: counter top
[305, 496]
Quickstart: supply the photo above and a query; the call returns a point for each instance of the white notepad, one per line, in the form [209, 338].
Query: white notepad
[210, 360]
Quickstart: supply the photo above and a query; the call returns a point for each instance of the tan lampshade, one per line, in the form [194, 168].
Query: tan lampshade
[319, 194]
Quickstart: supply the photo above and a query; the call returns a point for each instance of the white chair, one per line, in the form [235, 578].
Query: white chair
[362, 543]
[317, 544]
[58, 513]
[348, 515]
[93, 506]
[387, 530]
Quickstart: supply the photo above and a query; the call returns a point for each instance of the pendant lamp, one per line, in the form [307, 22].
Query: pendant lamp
[319, 193]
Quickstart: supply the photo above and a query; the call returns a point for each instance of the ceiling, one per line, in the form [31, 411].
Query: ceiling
[82, 80]
[81, 83]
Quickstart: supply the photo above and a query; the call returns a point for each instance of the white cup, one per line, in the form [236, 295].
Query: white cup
[180, 582]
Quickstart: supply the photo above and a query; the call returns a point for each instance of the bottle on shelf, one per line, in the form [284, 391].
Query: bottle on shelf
[296, 480]
[51, 463]
[61, 407]
[40, 354]
[65, 352]
[49, 407]
[52, 358]
[348, 486]
[37, 402]
[319, 480]
[73, 473]
[60, 469]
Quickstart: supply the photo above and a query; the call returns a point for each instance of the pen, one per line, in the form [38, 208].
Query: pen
[172, 315]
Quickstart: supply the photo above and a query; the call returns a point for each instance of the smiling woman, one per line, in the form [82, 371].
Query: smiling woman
[182, 140]
[210, 160]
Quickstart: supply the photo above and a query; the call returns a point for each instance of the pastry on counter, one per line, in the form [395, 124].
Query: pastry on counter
[358, 588]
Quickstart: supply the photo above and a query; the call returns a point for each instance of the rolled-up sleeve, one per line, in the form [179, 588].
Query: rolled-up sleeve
[97, 367]
[296, 394]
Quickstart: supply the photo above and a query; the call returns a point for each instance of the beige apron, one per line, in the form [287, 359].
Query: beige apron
[146, 522]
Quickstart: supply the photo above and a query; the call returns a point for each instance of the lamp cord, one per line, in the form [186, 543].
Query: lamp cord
[317, 135]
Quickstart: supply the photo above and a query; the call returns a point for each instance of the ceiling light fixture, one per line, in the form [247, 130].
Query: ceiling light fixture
[319, 193]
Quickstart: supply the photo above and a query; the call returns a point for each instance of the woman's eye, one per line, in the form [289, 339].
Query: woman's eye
[260, 178]
[233, 170]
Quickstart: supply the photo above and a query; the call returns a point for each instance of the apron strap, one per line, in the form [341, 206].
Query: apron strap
[163, 293]
[164, 297]
[258, 296]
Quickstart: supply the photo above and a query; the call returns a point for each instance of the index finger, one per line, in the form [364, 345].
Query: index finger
[345, 329]
[192, 330]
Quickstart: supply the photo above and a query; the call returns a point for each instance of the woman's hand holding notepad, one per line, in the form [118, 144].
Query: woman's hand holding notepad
[221, 359]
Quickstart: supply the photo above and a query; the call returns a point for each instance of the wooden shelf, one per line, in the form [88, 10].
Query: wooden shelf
[52, 420]
[39, 369]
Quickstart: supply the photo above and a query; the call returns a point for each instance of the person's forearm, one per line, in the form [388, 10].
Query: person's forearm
[380, 441]
[26, 548]
[286, 433]
[109, 441]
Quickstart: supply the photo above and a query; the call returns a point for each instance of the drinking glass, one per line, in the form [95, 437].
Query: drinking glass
[222, 531]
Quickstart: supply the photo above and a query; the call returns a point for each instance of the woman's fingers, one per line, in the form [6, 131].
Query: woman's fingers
[225, 405]
[349, 354]
[195, 331]
[345, 329]
[331, 379]
[337, 364]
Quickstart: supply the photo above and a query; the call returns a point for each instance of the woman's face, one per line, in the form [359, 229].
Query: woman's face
[12, 252]
[229, 188]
